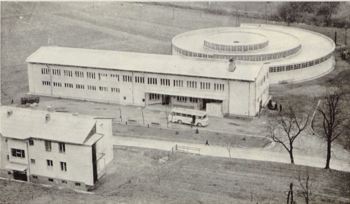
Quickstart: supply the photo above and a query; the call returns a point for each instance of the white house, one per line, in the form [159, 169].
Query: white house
[144, 79]
[55, 148]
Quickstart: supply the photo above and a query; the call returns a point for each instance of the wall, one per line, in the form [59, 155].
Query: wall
[17, 144]
[104, 126]
[239, 98]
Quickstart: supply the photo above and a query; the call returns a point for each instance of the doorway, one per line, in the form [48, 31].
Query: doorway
[20, 175]
[165, 99]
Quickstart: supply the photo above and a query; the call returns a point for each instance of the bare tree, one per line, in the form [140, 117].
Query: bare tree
[286, 127]
[229, 146]
[333, 119]
[307, 186]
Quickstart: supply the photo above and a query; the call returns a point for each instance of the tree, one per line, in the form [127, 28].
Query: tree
[307, 186]
[326, 10]
[286, 127]
[334, 119]
[289, 12]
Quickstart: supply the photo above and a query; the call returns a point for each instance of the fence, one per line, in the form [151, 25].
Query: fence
[184, 149]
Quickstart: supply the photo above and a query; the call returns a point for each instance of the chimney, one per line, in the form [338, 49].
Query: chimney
[9, 112]
[232, 65]
[47, 118]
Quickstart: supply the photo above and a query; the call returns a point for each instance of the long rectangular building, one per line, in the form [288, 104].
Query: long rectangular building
[144, 79]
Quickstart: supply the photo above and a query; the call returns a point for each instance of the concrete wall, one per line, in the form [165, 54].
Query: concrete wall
[104, 126]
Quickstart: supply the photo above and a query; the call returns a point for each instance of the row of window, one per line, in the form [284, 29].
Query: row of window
[262, 57]
[80, 86]
[235, 48]
[184, 99]
[301, 65]
[52, 180]
[262, 81]
[49, 164]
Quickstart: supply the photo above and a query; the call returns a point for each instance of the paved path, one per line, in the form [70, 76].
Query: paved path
[240, 153]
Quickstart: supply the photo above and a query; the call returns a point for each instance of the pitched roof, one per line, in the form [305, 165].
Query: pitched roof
[62, 127]
[143, 62]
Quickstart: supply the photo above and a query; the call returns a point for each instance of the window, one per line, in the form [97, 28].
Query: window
[49, 164]
[57, 84]
[204, 85]
[102, 76]
[90, 75]
[193, 100]
[80, 86]
[17, 153]
[35, 177]
[64, 182]
[56, 72]
[68, 85]
[79, 74]
[115, 90]
[103, 88]
[181, 99]
[192, 84]
[154, 97]
[127, 78]
[45, 71]
[93, 88]
[219, 87]
[178, 83]
[165, 82]
[48, 145]
[31, 142]
[62, 147]
[50, 179]
[68, 73]
[46, 83]
[77, 184]
[32, 161]
[115, 76]
[140, 80]
[151, 80]
[63, 166]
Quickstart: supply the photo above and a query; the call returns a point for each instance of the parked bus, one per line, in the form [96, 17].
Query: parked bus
[188, 116]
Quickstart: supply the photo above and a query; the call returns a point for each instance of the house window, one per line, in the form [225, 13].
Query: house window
[151, 80]
[77, 184]
[56, 72]
[115, 76]
[80, 86]
[79, 74]
[50, 179]
[45, 71]
[46, 83]
[17, 153]
[192, 84]
[90, 75]
[127, 78]
[35, 177]
[93, 88]
[62, 147]
[32, 161]
[31, 142]
[64, 182]
[165, 82]
[49, 164]
[63, 166]
[115, 90]
[178, 83]
[102, 88]
[140, 80]
[181, 99]
[68, 73]
[48, 145]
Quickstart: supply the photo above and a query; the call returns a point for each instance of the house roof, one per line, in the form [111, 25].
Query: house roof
[143, 62]
[62, 127]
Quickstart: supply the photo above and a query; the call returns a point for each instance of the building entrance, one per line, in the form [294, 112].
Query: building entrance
[20, 175]
[165, 99]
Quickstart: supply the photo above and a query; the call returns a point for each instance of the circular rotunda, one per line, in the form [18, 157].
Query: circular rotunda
[292, 54]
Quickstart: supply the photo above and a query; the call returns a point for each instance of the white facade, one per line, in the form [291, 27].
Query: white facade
[55, 158]
[159, 79]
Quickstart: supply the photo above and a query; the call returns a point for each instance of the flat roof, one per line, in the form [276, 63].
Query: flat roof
[144, 62]
[25, 123]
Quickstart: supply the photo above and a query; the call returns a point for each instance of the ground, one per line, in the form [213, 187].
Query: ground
[137, 176]
[130, 27]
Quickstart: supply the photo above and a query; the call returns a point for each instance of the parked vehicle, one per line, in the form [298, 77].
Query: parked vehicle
[188, 116]
[30, 99]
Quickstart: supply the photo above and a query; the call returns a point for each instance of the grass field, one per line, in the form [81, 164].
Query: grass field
[136, 176]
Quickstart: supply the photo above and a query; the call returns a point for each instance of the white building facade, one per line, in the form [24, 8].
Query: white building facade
[145, 79]
[55, 148]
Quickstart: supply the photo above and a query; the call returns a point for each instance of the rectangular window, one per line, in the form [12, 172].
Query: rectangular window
[46, 83]
[165, 82]
[178, 83]
[204, 85]
[79, 74]
[45, 71]
[68, 73]
[35, 177]
[50, 179]
[127, 78]
[31, 142]
[62, 147]
[48, 145]
[32, 161]
[93, 88]
[57, 84]
[102, 76]
[49, 164]
[153, 97]
[63, 166]
[64, 182]
[68, 85]
[192, 84]
[18, 153]
[115, 76]
[140, 80]
[77, 184]
[181, 99]
[193, 100]
[103, 88]
[151, 80]
[80, 86]
[56, 72]
[115, 90]
[219, 87]
[90, 75]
